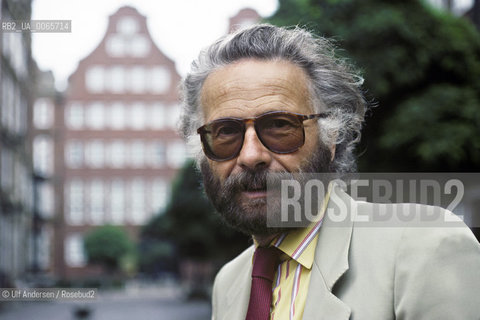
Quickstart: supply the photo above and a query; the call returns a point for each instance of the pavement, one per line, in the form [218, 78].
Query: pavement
[133, 303]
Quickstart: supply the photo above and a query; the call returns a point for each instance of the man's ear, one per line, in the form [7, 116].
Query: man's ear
[332, 148]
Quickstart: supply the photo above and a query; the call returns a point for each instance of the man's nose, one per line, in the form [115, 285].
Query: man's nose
[253, 154]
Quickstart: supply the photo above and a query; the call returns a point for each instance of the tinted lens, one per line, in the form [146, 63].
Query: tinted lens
[281, 133]
[223, 139]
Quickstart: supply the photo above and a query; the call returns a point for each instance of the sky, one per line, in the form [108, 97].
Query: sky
[180, 28]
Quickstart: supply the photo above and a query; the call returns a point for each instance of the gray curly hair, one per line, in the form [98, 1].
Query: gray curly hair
[334, 86]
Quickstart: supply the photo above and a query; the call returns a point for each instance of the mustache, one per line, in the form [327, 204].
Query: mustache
[247, 180]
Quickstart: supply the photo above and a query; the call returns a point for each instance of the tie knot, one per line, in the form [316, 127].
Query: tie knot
[265, 261]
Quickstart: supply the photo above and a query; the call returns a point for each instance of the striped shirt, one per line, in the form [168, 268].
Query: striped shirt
[290, 285]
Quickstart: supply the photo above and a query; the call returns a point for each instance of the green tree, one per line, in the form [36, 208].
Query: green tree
[109, 246]
[189, 227]
[421, 66]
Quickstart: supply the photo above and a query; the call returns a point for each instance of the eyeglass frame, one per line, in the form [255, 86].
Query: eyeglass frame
[301, 117]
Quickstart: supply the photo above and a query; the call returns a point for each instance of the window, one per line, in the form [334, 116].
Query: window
[117, 202]
[96, 115]
[23, 180]
[75, 198]
[43, 155]
[7, 245]
[21, 119]
[7, 101]
[74, 116]
[117, 116]
[95, 154]
[137, 154]
[116, 79]
[138, 201]
[46, 200]
[15, 51]
[138, 116]
[127, 26]
[43, 113]
[176, 154]
[115, 45]
[140, 46]
[156, 154]
[14, 105]
[6, 177]
[96, 202]
[174, 112]
[95, 79]
[159, 79]
[8, 114]
[74, 154]
[117, 154]
[157, 116]
[19, 171]
[159, 195]
[247, 23]
[74, 252]
[137, 79]
[44, 242]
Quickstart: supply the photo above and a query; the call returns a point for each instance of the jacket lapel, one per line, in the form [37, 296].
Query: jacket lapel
[238, 295]
[331, 261]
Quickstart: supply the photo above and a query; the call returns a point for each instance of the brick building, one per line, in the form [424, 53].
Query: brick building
[120, 146]
[16, 200]
[243, 18]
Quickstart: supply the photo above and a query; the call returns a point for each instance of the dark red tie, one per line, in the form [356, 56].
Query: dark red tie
[265, 261]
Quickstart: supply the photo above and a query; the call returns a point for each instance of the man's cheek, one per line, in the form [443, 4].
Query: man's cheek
[221, 170]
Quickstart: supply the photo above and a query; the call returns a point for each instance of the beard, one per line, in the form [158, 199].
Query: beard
[250, 215]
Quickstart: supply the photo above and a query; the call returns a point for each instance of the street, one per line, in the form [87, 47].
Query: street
[117, 306]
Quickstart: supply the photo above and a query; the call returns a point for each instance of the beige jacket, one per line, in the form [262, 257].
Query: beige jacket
[368, 273]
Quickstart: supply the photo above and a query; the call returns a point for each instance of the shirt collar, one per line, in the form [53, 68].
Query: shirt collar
[300, 244]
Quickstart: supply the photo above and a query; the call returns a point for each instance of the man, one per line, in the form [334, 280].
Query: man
[267, 100]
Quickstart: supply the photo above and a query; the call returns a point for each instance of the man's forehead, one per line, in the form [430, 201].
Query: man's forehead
[245, 70]
[254, 83]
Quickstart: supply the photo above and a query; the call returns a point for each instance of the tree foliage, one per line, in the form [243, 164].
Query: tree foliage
[421, 66]
[109, 246]
[190, 225]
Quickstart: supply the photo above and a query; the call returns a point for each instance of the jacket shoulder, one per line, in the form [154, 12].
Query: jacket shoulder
[229, 279]
[229, 271]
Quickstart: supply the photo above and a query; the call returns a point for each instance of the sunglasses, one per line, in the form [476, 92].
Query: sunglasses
[279, 131]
